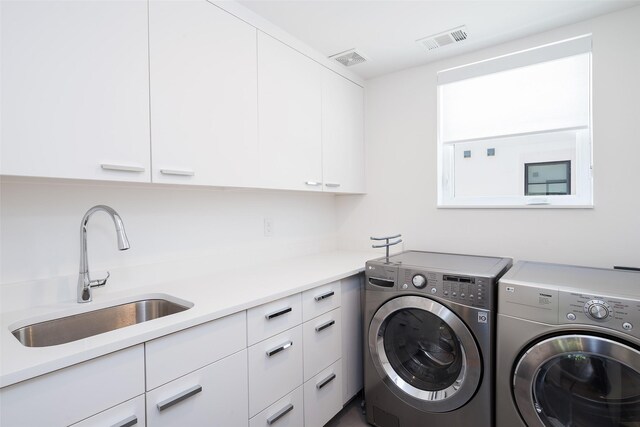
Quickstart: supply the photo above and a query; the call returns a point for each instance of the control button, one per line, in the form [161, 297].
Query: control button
[627, 326]
[419, 281]
[597, 309]
[571, 316]
[454, 294]
[462, 295]
[471, 296]
[405, 286]
[446, 292]
[479, 297]
[434, 290]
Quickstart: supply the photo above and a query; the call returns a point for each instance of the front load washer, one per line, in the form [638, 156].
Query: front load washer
[428, 332]
[568, 347]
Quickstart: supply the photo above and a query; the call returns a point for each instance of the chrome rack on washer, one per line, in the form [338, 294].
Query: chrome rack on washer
[387, 244]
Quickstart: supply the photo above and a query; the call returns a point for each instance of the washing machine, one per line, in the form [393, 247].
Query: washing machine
[568, 347]
[428, 331]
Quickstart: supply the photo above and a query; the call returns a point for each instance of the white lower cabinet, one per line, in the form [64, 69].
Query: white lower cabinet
[286, 412]
[323, 396]
[128, 414]
[69, 395]
[352, 341]
[213, 395]
[275, 368]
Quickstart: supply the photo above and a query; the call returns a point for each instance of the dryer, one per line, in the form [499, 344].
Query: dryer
[429, 329]
[568, 347]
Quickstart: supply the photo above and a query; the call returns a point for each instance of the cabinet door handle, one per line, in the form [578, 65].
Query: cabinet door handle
[324, 296]
[332, 184]
[325, 381]
[325, 325]
[313, 183]
[281, 413]
[177, 172]
[278, 313]
[179, 397]
[279, 348]
[127, 422]
[121, 168]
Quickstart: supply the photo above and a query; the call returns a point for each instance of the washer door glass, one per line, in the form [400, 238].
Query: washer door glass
[423, 349]
[579, 381]
[424, 353]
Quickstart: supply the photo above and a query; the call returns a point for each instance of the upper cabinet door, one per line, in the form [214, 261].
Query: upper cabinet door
[203, 95]
[289, 117]
[75, 92]
[342, 134]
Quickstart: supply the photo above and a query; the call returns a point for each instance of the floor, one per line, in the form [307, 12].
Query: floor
[350, 416]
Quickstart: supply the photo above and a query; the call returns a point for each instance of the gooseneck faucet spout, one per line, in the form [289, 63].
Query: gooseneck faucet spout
[85, 284]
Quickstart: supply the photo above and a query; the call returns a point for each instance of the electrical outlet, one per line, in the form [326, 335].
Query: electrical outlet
[268, 227]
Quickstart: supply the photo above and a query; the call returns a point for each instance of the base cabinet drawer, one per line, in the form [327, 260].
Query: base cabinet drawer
[322, 342]
[286, 412]
[272, 318]
[128, 414]
[215, 395]
[275, 369]
[319, 300]
[323, 396]
[73, 394]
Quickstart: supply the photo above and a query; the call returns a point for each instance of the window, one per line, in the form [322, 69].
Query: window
[515, 131]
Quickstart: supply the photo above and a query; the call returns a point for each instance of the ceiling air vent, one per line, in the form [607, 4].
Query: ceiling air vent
[443, 39]
[349, 58]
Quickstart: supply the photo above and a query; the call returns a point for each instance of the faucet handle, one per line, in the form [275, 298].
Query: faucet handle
[99, 282]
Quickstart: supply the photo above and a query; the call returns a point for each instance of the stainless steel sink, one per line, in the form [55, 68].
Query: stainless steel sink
[71, 328]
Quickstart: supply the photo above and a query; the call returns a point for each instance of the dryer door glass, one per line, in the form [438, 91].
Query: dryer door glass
[580, 381]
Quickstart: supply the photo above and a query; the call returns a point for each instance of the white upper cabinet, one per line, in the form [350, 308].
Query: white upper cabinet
[75, 91]
[203, 95]
[289, 117]
[342, 134]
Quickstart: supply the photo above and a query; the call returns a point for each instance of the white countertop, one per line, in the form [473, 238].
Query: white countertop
[213, 296]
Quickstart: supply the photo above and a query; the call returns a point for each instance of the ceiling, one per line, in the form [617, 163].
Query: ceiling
[386, 30]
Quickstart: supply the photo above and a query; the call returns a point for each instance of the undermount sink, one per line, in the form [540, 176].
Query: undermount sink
[78, 326]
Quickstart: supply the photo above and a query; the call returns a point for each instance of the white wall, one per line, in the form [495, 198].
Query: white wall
[40, 226]
[400, 115]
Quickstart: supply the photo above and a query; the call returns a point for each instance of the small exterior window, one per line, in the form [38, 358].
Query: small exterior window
[515, 131]
[547, 179]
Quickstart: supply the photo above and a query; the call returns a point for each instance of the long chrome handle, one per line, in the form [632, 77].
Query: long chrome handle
[278, 313]
[324, 296]
[281, 413]
[325, 381]
[279, 348]
[332, 184]
[179, 397]
[313, 183]
[121, 168]
[325, 325]
[127, 422]
[177, 172]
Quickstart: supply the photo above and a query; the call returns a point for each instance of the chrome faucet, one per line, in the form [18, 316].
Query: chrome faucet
[85, 284]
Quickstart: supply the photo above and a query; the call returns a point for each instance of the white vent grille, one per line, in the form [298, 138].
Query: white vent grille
[349, 58]
[455, 35]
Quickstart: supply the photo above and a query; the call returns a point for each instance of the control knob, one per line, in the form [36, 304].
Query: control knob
[419, 281]
[597, 309]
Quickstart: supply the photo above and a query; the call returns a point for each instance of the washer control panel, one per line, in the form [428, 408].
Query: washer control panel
[469, 290]
[620, 314]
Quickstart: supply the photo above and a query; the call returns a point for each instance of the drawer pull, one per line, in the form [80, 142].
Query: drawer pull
[278, 313]
[121, 168]
[332, 185]
[176, 172]
[179, 397]
[279, 348]
[127, 422]
[281, 413]
[325, 325]
[324, 296]
[326, 381]
[313, 183]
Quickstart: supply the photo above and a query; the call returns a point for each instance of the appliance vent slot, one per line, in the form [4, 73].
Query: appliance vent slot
[455, 35]
[349, 57]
